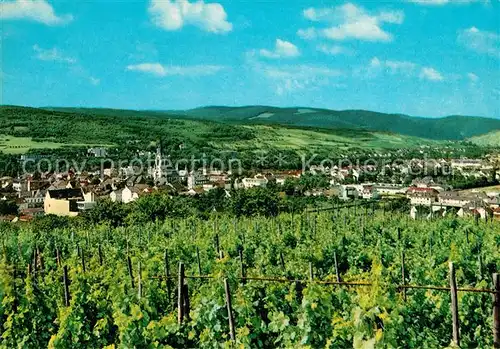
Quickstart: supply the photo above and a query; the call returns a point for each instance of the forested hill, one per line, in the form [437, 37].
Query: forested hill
[445, 128]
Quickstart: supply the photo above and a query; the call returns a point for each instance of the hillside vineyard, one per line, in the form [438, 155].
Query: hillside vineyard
[329, 279]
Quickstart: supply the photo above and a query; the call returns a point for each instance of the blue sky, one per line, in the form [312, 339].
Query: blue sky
[419, 57]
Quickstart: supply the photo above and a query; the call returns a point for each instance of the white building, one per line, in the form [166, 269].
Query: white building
[370, 193]
[422, 196]
[98, 152]
[257, 181]
[390, 190]
[453, 199]
[350, 191]
[116, 195]
[466, 163]
[130, 194]
[196, 179]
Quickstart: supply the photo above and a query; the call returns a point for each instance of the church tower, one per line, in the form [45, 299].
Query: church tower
[158, 172]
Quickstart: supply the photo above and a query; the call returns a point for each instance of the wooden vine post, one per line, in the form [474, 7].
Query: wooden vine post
[336, 266]
[58, 257]
[167, 276]
[14, 287]
[480, 264]
[403, 274]
[35, 258]
[242, 267]
[66, 286]
[198, 259]
[180, 294]
[311, 272]
[496, 310]
[282, 260]
[229, 310]
[217, 246]
[40, 259]
[454, 306]
[186, 304]
[130, 273]
[139, 274]
[83, 260]
[99, 251]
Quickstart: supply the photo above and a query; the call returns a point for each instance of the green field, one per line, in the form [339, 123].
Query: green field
[283, 138]
[21, 145]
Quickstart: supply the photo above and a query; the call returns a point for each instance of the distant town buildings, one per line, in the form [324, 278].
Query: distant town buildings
[69, 193]
[97, 152]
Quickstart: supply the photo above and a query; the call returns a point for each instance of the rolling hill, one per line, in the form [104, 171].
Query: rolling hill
[446, 128]
[23, 128]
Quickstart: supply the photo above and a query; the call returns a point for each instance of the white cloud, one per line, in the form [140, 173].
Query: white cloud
[282, 49]
[333, 50]
[34, 10]
[151, 68]
[375, 62]
[94, 81]
[404, 67]
[445, 2]
[431, 74]
[480, 41]
[351, 22]
[172, 70]
[53, 54]
[307, 34]
[174, 14]
[473, 77]
[407, 69]
[393, 67]
[301, 71]
[294, 78]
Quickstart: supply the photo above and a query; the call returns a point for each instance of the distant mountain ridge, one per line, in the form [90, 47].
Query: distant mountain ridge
[453, 127]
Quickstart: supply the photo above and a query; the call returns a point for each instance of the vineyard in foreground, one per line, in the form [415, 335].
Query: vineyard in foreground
[122, 283]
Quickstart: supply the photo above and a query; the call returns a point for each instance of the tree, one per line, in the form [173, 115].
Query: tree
[157, 207]
[289, 186]
[213, 199]
[8, 207]
[106, 211]
[253, 202]
[50, 222]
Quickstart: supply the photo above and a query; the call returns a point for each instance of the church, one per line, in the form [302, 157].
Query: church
[163, 172]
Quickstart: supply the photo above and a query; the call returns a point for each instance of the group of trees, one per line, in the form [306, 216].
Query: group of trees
[459, 181]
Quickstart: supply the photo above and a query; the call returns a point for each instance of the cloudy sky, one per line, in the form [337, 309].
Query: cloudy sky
[419, 57]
